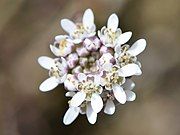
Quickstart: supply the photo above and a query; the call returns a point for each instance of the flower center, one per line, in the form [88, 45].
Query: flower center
[62, 44]
[89, 87]
[113, 78]
[79, 32]
[111, 36]
[55, 71]
[125, 58]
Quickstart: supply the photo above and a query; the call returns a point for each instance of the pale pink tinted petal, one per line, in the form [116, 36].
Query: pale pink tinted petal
[82, 77]
[137, 47]
[77, 99]
[123, 38]
[110, 107]
[96, 102]
[88, 19]
[91, 115]
[68, 25]
[97, 79]
[49, 84]
[107, 66]
[119, 94]
[113, 22]
[130, 95]
[70, 83]
[71, 115]
[46, 62]
[129, 70]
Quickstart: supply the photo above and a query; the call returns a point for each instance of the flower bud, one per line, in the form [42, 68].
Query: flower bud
[72, 60]
[82, 51]
[77, 70]
[92, 44]
[105, 49]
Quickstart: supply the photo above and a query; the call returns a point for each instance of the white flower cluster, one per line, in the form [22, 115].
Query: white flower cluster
[96, 70]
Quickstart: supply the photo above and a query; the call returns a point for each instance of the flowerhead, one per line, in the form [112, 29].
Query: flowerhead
[96, 70]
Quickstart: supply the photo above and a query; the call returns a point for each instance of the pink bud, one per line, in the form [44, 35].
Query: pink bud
[77, 70]
[82, 51]
[105, 49]
[92, 44]
[72, 60]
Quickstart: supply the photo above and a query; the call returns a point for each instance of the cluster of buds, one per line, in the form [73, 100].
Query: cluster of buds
[96, 69]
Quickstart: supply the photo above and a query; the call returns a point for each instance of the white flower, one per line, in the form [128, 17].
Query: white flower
[61, 46]
[88, 90]
[112, 35]
[57, 72]
[113, 81]
[109, 96]
[125, 55]
[80, 31]
[73, 112]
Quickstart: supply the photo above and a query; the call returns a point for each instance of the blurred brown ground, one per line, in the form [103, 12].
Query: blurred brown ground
[27, 27]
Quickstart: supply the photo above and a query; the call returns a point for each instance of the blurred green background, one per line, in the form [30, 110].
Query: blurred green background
[27, 27]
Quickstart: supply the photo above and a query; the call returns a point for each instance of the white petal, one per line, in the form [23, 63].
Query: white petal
[91, 115]
[71, 115]
[110, 107]
[76, 41]
[63, 78]
[60, 37]
[81, 77]
[77, 99]
[46, 62]
[68, 25]
[119, 93]
[88, 19]
[54, 50]
[129, 70]
[96, 102]
[97, 79]
[123, 38]
[130, 95]
[107, 66]
[117, 49]
[137, 47]
[49, 84]
[128, 85]
[70, 94]
[113, 22]
[64, 62]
